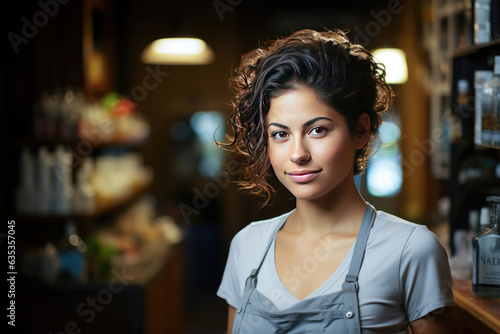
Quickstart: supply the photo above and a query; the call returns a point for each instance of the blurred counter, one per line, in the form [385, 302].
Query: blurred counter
[475, 314]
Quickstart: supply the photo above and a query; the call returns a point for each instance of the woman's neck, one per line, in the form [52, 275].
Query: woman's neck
[338, 213]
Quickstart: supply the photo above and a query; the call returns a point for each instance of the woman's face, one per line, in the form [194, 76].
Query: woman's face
[310, 147]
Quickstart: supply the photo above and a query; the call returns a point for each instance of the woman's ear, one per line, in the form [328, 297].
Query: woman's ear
[362, 131]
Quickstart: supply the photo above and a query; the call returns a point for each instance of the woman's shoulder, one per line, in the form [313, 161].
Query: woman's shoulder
[390, 219]
[391, 223]
[412, 236]
[258, 233]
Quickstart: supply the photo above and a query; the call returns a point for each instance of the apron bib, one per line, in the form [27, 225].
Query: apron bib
[336, 312]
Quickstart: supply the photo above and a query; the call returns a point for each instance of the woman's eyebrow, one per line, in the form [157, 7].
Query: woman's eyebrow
[314, 120]
[306, 124]
[278, 125]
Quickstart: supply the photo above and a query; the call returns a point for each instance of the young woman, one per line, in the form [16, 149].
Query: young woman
[307, 108]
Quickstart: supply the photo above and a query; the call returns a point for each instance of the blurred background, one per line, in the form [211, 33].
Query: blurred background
[123, 208]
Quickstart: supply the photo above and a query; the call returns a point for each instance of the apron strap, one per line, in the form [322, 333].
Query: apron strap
[250, 285]
[255, 272]
[249, 288]
[360, 245]
[350, 285]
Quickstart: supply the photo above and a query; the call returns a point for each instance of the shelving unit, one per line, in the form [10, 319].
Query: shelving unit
[467, 195]
[104, 207]
[151, 302]
[146, 274]
[454, 56]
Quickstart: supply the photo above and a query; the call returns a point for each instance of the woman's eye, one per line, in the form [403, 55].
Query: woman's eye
[280, 135]
[317, 131]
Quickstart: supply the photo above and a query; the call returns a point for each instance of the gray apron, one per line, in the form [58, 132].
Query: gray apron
[336, 312]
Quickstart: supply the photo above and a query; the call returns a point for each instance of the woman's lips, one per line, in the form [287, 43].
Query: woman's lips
[303, 176]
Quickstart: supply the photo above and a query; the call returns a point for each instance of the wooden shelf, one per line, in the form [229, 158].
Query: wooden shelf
[479, 314]
[33, 143]
[488, 147]
[477, 49]
[102, 210]
[481, 187]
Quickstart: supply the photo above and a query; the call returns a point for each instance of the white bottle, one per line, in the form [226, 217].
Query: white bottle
[26, 192]
[490, 108]
[495, 86]
[84, 201]
[482, 24]
[43, 181]
[62, 199]
[480, 79]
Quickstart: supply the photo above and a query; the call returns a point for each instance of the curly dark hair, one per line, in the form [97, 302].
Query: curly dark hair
[343, 75]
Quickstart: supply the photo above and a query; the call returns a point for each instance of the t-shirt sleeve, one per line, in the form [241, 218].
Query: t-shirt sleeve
[425, 276]
[230, 288]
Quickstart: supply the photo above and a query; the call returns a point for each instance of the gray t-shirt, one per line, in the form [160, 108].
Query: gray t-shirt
[404, 275]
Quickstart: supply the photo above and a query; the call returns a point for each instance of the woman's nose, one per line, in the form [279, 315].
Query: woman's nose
[300, 154]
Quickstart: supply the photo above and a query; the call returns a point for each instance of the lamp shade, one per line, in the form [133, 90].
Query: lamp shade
[395, 64]
[178, 51]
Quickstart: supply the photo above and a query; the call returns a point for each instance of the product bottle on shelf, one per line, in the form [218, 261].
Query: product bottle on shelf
[62, 185]
[480, 79]
[71, 254]
[482, 22]
[461, 110]
[486, 254]
[84, 201]
[496, 102]
[43, 181]
[26, 192]
[490, 109]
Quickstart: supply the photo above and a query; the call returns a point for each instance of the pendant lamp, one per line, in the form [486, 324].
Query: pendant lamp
[178, 51]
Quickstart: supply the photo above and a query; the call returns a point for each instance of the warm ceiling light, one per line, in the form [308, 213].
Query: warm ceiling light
[395, 64]
[178, 51]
